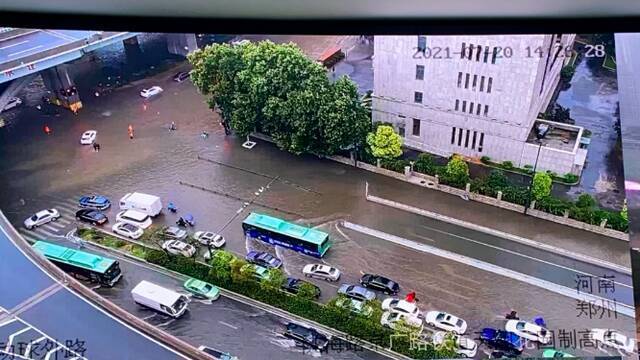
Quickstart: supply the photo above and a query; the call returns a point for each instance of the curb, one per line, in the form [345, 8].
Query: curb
[486, 230]
[248, 301]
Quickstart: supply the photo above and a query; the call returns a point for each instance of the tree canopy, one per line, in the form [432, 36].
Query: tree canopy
[541, 185]
[385, 143]
[278, 91]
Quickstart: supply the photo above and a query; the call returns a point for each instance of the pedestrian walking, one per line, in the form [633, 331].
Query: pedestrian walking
[96, 147]
[130, 130]
[47, 130]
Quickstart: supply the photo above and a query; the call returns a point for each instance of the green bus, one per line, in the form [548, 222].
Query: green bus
[292, 236]
[94, 268]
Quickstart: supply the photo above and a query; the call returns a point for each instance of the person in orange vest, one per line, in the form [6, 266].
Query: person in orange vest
[130, 131]
[47, 130]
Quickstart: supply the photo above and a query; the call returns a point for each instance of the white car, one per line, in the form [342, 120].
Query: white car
[614, 339]
[88, 137]
[529, 331]
[357, 306]
[321, 271]
[134, 217]
[445, 321]
[41, 218]
[127, 230]
[177, 247]
[391, 318]
[399, 305]
[13, 102]
[209, 238]
[174, 232]
[465, 347]
[152, 91]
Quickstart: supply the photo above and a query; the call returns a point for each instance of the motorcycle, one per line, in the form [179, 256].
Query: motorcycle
[171, 207]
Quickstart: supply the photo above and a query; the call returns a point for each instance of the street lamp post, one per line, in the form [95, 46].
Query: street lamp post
[535, 166]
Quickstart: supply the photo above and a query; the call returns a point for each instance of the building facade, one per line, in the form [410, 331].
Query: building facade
[475, 95]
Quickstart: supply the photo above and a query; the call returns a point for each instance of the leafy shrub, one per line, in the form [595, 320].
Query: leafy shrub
[396, 165]
[507, 165]
[157, 257]
[425, 164]
[553, 205]
[585, 201]
[457, 172]
[571, 178]
[485, 159]
[113, 242]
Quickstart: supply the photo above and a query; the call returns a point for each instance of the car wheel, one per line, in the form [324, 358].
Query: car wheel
[307, 275]
[29, 227]
[55, 218]
[77, 218]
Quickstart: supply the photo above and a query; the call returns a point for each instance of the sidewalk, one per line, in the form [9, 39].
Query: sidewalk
[570, 239]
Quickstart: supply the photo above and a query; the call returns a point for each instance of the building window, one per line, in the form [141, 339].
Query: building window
[464, 105]
[460, 137]
[417, 97]
[475, 81]
[453, 135]
[470, 51]
[481, 142]
[401, 130]
[478, 108]
[415, 131]
[481, 83]
[478, 52]
[466, 81]
[422, 43]
[457, 104]
[471, 108]
[473, 141]
[463, 51]
[489, 82]
[486, 54]
[459, 79]
[466, 140]
[486, 110]
[495, 54]
[419, 72]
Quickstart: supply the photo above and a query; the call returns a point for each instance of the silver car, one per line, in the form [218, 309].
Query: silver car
[321, 271]
[174, 232]
[357, 292]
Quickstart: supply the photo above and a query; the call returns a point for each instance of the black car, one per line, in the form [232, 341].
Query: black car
[378, 282]
[91, 216]
[292, 285]
[306, 336]
[181, 76]
[510, 344]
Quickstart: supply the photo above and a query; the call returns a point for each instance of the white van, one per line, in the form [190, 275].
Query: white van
[148, 204]
[160, 299]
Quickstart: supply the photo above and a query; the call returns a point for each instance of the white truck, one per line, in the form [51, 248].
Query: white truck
[148, 204]
[160, 299]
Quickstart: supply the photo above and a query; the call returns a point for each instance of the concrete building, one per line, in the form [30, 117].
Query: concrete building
[477, 96]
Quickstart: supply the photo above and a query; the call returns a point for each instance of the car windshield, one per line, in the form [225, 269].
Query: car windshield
[207, 288]
[440, 317]
[332, 270]
[520, 325]
[129, 227]
[34, 218]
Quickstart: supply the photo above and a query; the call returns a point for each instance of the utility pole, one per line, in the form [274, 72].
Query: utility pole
[535, 166]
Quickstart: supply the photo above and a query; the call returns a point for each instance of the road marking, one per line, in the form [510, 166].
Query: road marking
[29, 235]
[16, 44]
[13, 336]
[27, 351]
[228, 325]
[45, 232]
[63, 221]
[49, 227]
[24, 51]
[521, 255]
[558, 289]
[64, 36]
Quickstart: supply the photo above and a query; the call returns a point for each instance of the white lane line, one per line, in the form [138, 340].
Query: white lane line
[63, 221]
[64, 36]
[56, 224]
[49, 227]
[45, 232]
[228, 325]
[12, 45]
[13, 336]
[558, 289]
[521, 255]
[24, 51]
[29, 235]
[27, 351]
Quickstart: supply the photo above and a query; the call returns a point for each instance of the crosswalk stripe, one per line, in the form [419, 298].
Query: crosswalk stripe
[29, 235]
[67, 208]
[56, 224]
[46, 233]
[63, 221]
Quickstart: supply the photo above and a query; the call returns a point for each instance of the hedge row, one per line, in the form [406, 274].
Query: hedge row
[368, 329]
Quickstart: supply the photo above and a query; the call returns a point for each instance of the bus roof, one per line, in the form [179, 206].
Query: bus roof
[73, 257]
[274, 224]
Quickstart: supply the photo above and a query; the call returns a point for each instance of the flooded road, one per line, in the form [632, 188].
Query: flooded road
[593, 101]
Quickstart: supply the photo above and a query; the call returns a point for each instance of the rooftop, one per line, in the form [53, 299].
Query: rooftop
[559, 136]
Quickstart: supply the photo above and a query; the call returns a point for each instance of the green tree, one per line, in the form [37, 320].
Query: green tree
[497, 180]
[457, 171]
[567, 72]
[541, 185]
[385, 143]
[585, 201]
[306, 291]
[221, 264]
[241, 270]
[425, 164]
[275, 280]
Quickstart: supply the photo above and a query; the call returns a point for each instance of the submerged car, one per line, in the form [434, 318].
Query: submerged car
[465, 347]
[306, 336]
[41, 217]
[502, 340]
[209, 238]
[379, 282]
[614, 339]
[263, 259]
[292, 285]
[202, 289]
[321, 271]
[88, 137]
[445, 321]
[356, 292]
[529, 331]
[181, 76]
[356, 306]
[97, 202]
[152, 91]
[177, 247]
[174, 232]
[91, 216]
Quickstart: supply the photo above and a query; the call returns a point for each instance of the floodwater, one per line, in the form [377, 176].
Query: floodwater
[593, 100]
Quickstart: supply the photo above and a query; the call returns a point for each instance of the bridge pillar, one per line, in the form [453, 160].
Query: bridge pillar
[62, 87]
[181, 44]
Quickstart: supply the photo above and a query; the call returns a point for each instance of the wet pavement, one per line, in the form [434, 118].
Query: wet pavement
[593, 100]
[54, 170]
